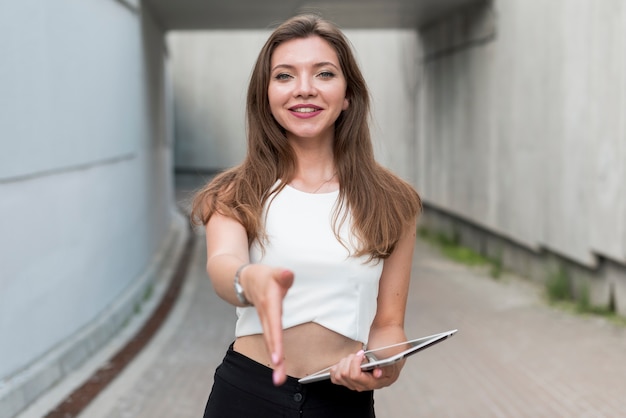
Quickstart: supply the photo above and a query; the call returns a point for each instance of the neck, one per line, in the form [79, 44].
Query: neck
[315, 180]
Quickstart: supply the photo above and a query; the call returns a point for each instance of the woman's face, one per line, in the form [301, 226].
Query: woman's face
[307, 89]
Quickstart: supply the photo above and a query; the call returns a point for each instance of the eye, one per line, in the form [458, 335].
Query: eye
[282, 76]
[326, 74]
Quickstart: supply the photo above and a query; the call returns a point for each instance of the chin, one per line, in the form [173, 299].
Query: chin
[308, 133]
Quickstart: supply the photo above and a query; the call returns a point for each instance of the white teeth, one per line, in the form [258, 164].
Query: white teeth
[305, 110]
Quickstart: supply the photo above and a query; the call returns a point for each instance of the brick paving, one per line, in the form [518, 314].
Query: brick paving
[512, 357]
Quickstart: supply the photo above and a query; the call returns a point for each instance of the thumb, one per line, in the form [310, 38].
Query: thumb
[285, 278]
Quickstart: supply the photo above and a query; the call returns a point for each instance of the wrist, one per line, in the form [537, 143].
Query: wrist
[239, 289]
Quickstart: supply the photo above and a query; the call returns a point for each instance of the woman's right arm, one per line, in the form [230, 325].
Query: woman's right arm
[264, 286]
[227, 250]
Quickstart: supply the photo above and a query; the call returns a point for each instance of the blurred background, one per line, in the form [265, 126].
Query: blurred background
[508, 116]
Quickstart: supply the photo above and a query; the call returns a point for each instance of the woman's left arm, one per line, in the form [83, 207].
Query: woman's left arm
[388, 325]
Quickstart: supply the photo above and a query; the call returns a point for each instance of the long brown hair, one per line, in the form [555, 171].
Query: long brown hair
[381, 204]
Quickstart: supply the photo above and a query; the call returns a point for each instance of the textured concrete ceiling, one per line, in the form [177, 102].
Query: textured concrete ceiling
[262, 14]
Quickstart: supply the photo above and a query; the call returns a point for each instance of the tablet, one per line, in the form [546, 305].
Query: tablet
[373, 362]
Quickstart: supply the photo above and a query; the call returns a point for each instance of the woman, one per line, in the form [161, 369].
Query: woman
[309, 237]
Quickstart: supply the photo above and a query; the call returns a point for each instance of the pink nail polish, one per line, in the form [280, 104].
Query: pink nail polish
[275, 358]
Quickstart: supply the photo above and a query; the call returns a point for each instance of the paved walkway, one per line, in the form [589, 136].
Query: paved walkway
[512, 357]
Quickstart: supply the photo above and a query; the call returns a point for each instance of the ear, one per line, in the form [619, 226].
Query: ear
[346, 104]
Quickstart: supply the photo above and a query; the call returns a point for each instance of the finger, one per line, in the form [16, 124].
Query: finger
[284, 279]
[354, 365]
[274, 341]
[279, 376]
[348, 371]
[271, 317]
[271, 320]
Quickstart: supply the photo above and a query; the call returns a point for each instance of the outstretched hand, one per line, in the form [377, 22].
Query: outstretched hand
[267, 289]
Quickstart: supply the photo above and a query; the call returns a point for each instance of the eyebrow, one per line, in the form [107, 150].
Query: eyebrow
[317, 65]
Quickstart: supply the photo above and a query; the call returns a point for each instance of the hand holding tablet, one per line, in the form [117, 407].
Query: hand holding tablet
[373, 362]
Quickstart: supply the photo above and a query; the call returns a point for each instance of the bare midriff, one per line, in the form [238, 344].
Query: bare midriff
[307, 348]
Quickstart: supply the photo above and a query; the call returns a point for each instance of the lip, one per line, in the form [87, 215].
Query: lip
[305, 110]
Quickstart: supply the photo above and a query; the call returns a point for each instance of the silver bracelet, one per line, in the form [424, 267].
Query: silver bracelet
[241, 296]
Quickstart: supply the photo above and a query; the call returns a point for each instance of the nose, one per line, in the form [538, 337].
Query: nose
[305, 87]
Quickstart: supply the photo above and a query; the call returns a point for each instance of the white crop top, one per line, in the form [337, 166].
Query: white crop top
[330, 288]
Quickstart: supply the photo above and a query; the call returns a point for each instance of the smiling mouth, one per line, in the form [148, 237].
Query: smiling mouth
[305, 109]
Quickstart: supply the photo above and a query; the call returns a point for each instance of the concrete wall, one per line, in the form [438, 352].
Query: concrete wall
[86, 200]
[211, 72]
[210, 77]
[522, 126]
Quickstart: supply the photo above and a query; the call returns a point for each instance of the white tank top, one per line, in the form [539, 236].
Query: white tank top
[330, 287]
